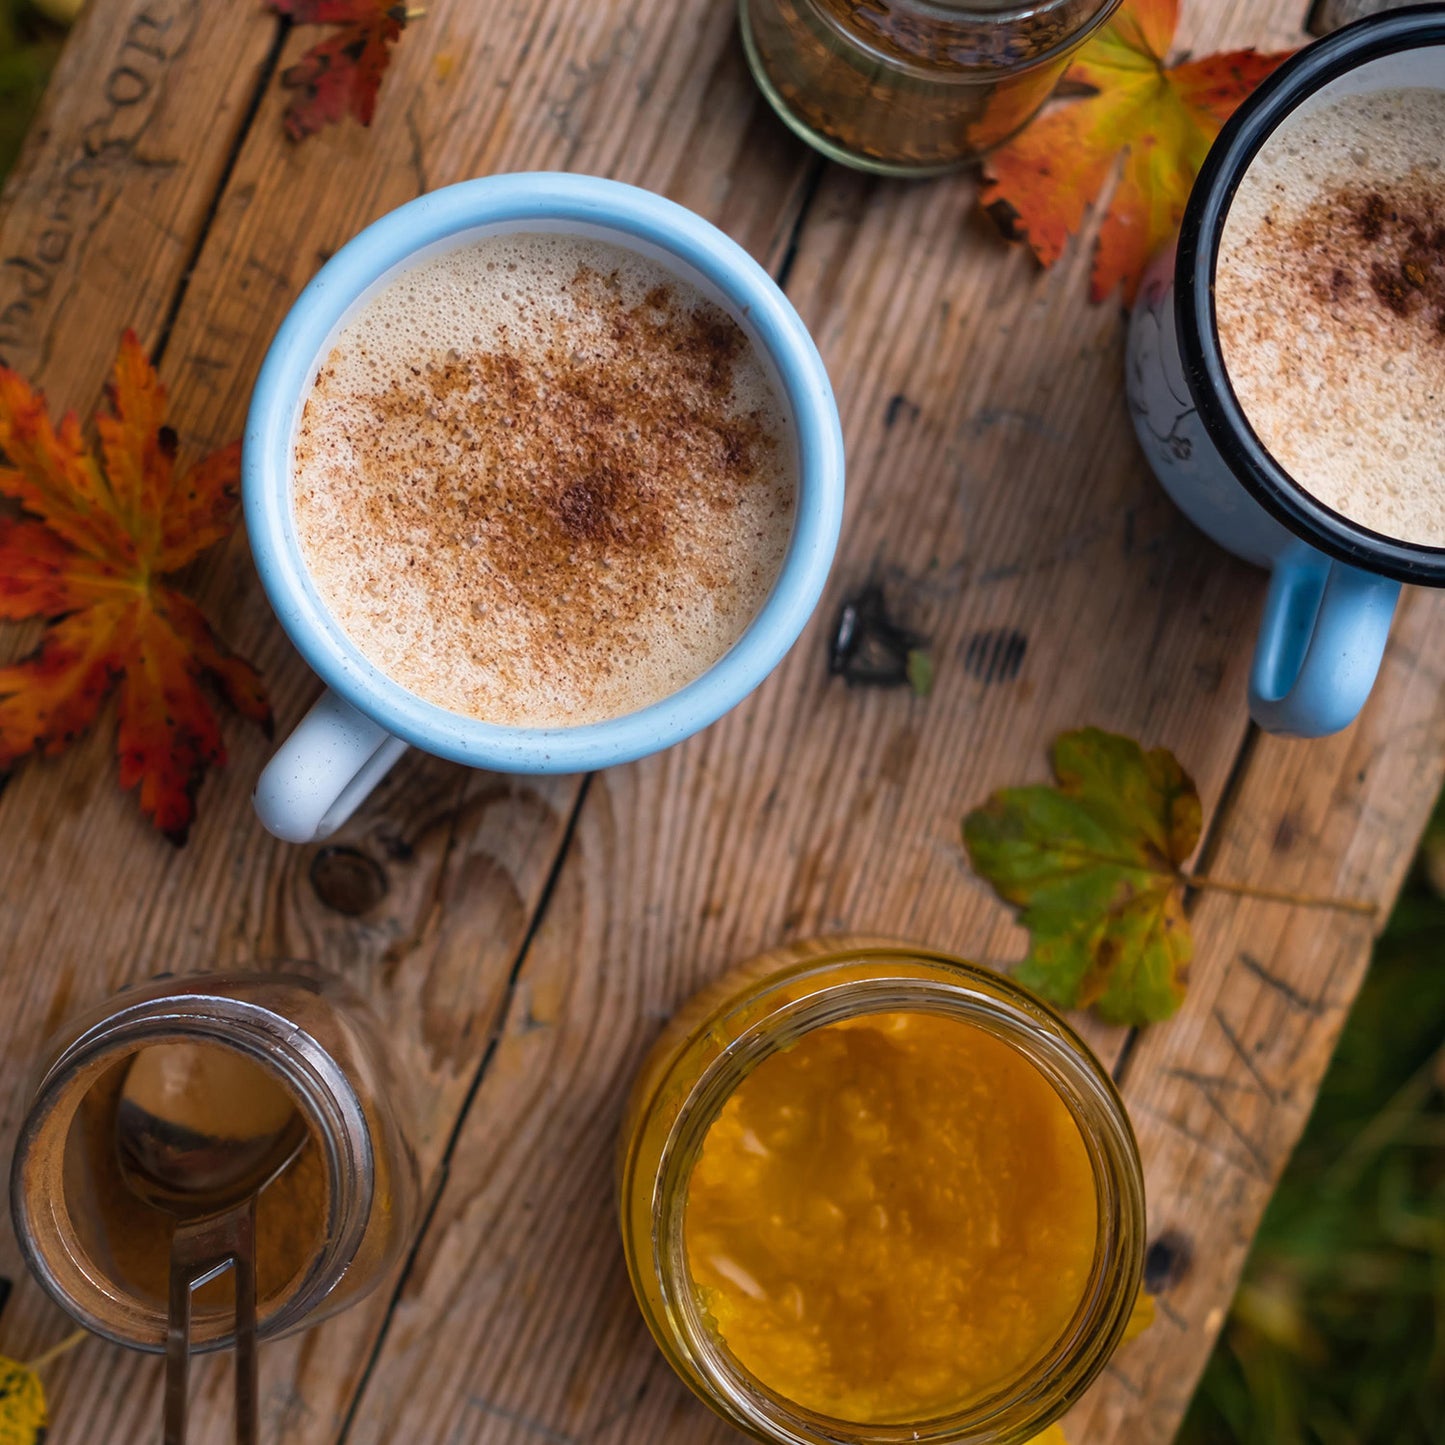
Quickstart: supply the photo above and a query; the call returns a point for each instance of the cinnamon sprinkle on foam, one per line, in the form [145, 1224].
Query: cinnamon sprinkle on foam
[542, 481]
[1330, 295]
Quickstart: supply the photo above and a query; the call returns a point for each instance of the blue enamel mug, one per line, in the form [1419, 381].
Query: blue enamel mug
[1334, 582]
[364, 721]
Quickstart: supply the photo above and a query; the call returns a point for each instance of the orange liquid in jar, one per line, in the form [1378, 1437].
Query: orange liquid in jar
[891, 1219]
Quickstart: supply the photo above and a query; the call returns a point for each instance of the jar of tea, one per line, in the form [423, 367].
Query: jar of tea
[871, 1194]
[912, 87]
[217, 1057]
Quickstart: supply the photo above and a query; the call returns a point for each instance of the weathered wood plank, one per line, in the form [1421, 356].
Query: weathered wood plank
[109, 199]
[993, 485]
[1220, 1096]
[656, 94]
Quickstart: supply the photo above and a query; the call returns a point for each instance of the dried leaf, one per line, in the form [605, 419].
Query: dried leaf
[1095, 865]
[89, 558]
[22, 1405]
[1163, 118]
[920, 671]
[343, 72]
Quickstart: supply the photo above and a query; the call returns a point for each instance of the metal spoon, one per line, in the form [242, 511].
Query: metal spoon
[209, 1183]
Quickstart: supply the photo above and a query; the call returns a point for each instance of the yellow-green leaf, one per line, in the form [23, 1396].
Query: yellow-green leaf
[919, 667]
[22, 1405]
[1094, 865]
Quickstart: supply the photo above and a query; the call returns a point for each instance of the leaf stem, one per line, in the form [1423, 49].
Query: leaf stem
[55, 1351]
[1360, 906]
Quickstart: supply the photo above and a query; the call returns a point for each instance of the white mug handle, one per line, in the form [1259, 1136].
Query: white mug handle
[321, 773]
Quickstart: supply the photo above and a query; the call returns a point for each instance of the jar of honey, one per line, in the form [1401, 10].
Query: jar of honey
[912, 87]
[328, 1227]
[871, 1193]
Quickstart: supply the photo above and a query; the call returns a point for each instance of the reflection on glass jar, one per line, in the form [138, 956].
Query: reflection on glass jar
[912, 87]
[328, 1227]
[871, 1193]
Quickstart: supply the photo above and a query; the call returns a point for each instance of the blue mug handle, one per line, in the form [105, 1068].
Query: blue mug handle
[1324, 632]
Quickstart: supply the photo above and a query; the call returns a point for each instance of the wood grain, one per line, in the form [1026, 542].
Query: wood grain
[995, 489]
[466, 854]
[109, 200]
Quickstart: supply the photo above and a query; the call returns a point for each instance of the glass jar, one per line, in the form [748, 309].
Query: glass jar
[328, 1228]
[766, 1006]
[912, 87]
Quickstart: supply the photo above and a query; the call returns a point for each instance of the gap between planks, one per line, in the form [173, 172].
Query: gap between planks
[489, 1050]
[263, 83]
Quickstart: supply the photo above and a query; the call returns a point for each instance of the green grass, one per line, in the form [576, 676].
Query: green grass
[1337, 1334]
[29, 45]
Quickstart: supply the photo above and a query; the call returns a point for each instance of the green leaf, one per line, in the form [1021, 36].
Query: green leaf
[1094, 865]
[22, 1405]
[920, 671]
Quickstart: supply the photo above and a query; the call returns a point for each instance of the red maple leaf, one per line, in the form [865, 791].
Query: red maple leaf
[1163, 118]
[89, 557]
[343, 72]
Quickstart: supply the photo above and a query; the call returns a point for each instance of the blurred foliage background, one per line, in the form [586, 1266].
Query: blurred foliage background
[1337, 1335]
[30, 40]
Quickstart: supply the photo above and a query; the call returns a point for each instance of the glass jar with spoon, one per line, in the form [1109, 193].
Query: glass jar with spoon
[214, 1160]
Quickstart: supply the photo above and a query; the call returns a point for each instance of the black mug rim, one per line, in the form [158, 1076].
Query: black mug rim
[1224, 419]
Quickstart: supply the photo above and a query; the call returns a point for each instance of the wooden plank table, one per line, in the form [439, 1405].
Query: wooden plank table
[534, 933]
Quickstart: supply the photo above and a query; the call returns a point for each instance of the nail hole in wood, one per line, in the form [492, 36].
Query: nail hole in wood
[1167, 1261]
[347, 881]
[396, 848]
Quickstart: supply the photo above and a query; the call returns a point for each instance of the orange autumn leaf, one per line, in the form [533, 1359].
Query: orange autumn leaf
[342, 72]
[1162, 118]
[88, 554]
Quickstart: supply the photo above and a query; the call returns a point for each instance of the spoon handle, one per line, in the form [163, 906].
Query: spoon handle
[178, 1335]
[202, 1249]
[247, 1372]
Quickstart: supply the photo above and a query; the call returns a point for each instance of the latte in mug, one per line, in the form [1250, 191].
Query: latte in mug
[543, 481]
[1330, 305]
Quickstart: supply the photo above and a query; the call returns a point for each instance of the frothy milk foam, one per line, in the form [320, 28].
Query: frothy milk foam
[543, 481]
[1330, 298]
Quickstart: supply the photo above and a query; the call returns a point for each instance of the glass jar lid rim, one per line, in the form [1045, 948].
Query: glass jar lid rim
[319, 1084]
[1006, 1004]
